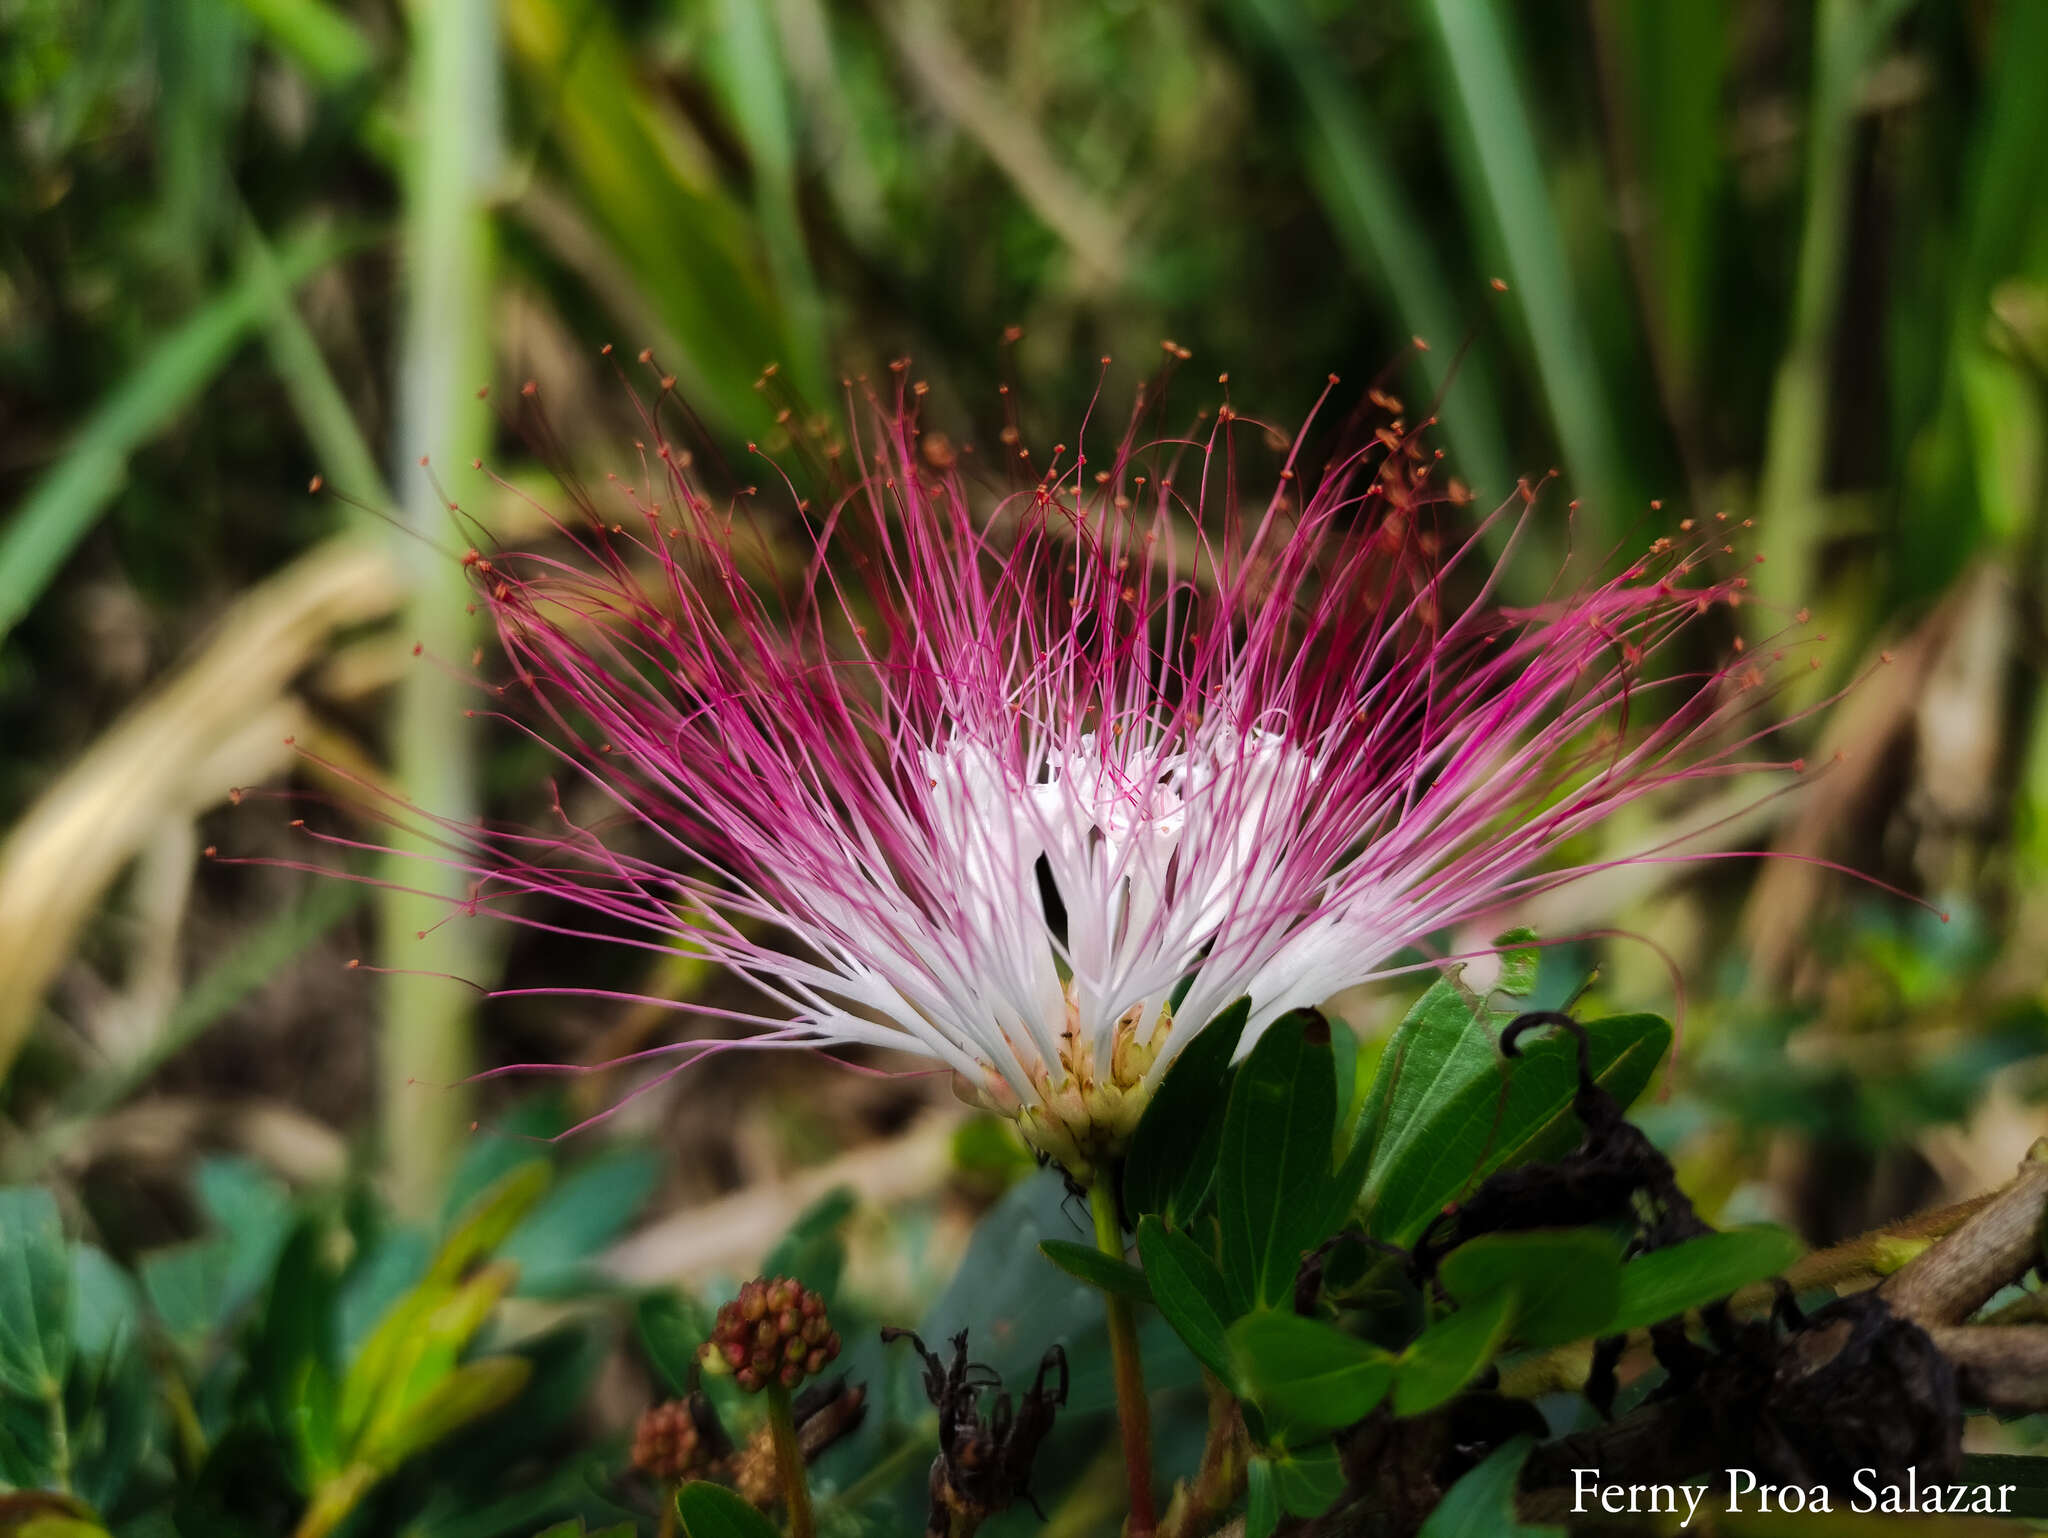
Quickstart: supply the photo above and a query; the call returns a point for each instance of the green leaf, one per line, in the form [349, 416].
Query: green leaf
[1667, 1282]
[434, 1342]
[1479, 1129]
[1309, 1481]
[1344, 1060]
[1520, 956]
[110, 1399]
[812, 1252]
[421, 1335]
[35, 1295]
[1261, 1499]
[574, 1528]
[324, 41]
[186, 1285]
[1451, 1352]
[1274, 1178]
[295, 1356]
[1085, 1263]
[1446, 1042]
[1171, 1166]
[1306, 1377]
[253, 1213]
[578, 1219]
[672, 1328]
[1482, 1504]
[1189, 1291]
[1567, 1281]
[712, 1511]
[490, 1219]
[466, 1394]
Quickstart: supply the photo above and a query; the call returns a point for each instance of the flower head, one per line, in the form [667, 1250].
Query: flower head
[1035, 790]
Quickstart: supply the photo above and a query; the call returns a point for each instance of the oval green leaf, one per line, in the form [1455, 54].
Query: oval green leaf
[712, 1511]
[1567, 1280]
[1669, 1282]
[1171, 1167]
[1307, 1378]
[1189, 1291]
[1479, 1129]
[1274, 1181]
[1450, 1353]
[1106, 1273]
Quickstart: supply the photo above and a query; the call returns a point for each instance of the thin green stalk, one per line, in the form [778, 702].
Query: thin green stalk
[1512, 188]
[1847, 35]
[426, 1047]
[1133, 1410]
[789, 1464]
[60, 1440]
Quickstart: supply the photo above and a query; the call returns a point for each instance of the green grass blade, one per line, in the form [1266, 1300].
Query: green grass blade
[1517, 199]
[691, 250]
[1386, 243]
[72, 494]
[344, 455]
[323, 41]
[1789, 501]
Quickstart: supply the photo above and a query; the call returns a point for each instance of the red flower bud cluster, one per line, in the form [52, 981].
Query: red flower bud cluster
[669, 1444]
[775, 1331]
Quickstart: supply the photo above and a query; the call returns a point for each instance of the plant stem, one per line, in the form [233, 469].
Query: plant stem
[789, 1463]
[426, 1049]
[1133, 1410]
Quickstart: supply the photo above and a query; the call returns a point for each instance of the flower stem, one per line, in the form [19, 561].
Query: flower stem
[789, 1463]
[1133, 1410]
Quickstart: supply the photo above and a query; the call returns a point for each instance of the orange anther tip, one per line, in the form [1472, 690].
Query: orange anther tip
[1499, 285]
[315, 484]
[210, 851]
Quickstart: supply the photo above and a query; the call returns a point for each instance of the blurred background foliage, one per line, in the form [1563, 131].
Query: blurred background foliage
[1787, 262]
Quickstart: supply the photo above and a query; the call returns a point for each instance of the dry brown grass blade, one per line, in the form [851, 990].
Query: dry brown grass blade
[219, 721]
[732, 1234]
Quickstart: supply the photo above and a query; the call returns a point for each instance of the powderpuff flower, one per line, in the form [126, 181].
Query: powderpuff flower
[1035, 790]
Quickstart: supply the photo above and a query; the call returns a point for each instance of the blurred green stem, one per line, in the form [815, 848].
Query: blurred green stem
[1133, 1410]
[789, 1463]
[426, 1045]
[1847, 35]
